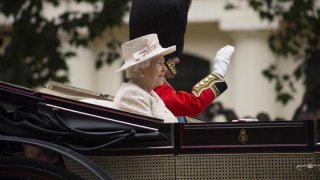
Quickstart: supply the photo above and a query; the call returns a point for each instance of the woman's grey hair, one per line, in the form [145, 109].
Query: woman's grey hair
[133, 72]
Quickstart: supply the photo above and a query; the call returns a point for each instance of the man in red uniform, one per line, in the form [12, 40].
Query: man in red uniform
[168, 18]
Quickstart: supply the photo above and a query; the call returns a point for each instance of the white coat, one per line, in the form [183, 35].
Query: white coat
[131, 98]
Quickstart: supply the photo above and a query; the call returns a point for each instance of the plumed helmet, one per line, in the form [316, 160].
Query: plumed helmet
[167, 18]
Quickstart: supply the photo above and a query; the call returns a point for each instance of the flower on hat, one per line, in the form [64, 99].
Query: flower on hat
[149, 46]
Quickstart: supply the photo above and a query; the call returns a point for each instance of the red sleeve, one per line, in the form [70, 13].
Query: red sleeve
[182, 103]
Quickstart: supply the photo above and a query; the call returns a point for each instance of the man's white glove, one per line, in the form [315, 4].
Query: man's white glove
[222, 60]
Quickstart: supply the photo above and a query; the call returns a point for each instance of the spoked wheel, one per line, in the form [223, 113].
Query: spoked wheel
[28, 169]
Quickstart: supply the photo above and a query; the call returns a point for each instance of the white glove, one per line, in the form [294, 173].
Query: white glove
[222, 60]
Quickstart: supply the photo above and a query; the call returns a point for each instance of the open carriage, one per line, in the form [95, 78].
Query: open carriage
[92, 141]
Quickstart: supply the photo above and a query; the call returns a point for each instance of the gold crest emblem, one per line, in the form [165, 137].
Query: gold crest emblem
[243, 137]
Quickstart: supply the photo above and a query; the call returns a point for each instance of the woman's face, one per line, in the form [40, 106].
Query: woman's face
[153, 75]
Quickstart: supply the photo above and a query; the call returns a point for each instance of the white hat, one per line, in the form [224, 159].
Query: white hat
[141, 49]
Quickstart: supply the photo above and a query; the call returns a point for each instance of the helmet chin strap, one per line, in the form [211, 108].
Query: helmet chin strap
[171, 66]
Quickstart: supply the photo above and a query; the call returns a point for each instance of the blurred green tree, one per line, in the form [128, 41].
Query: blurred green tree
[299, 37]
[31, 51]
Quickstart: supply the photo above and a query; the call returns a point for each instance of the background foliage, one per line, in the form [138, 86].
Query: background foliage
[31, 47]
[297, 37]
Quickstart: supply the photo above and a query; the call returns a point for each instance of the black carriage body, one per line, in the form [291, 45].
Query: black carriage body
[114, 144]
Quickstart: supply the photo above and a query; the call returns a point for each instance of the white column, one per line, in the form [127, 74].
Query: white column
[254, 93]
[108, 80]
[82, 72]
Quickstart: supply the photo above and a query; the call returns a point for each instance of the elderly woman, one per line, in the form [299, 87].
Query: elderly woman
[145, 69]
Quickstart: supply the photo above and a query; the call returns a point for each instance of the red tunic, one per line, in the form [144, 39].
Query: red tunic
[182, 103]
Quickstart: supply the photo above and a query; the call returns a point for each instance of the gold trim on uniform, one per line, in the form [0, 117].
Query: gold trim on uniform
[207, 83]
